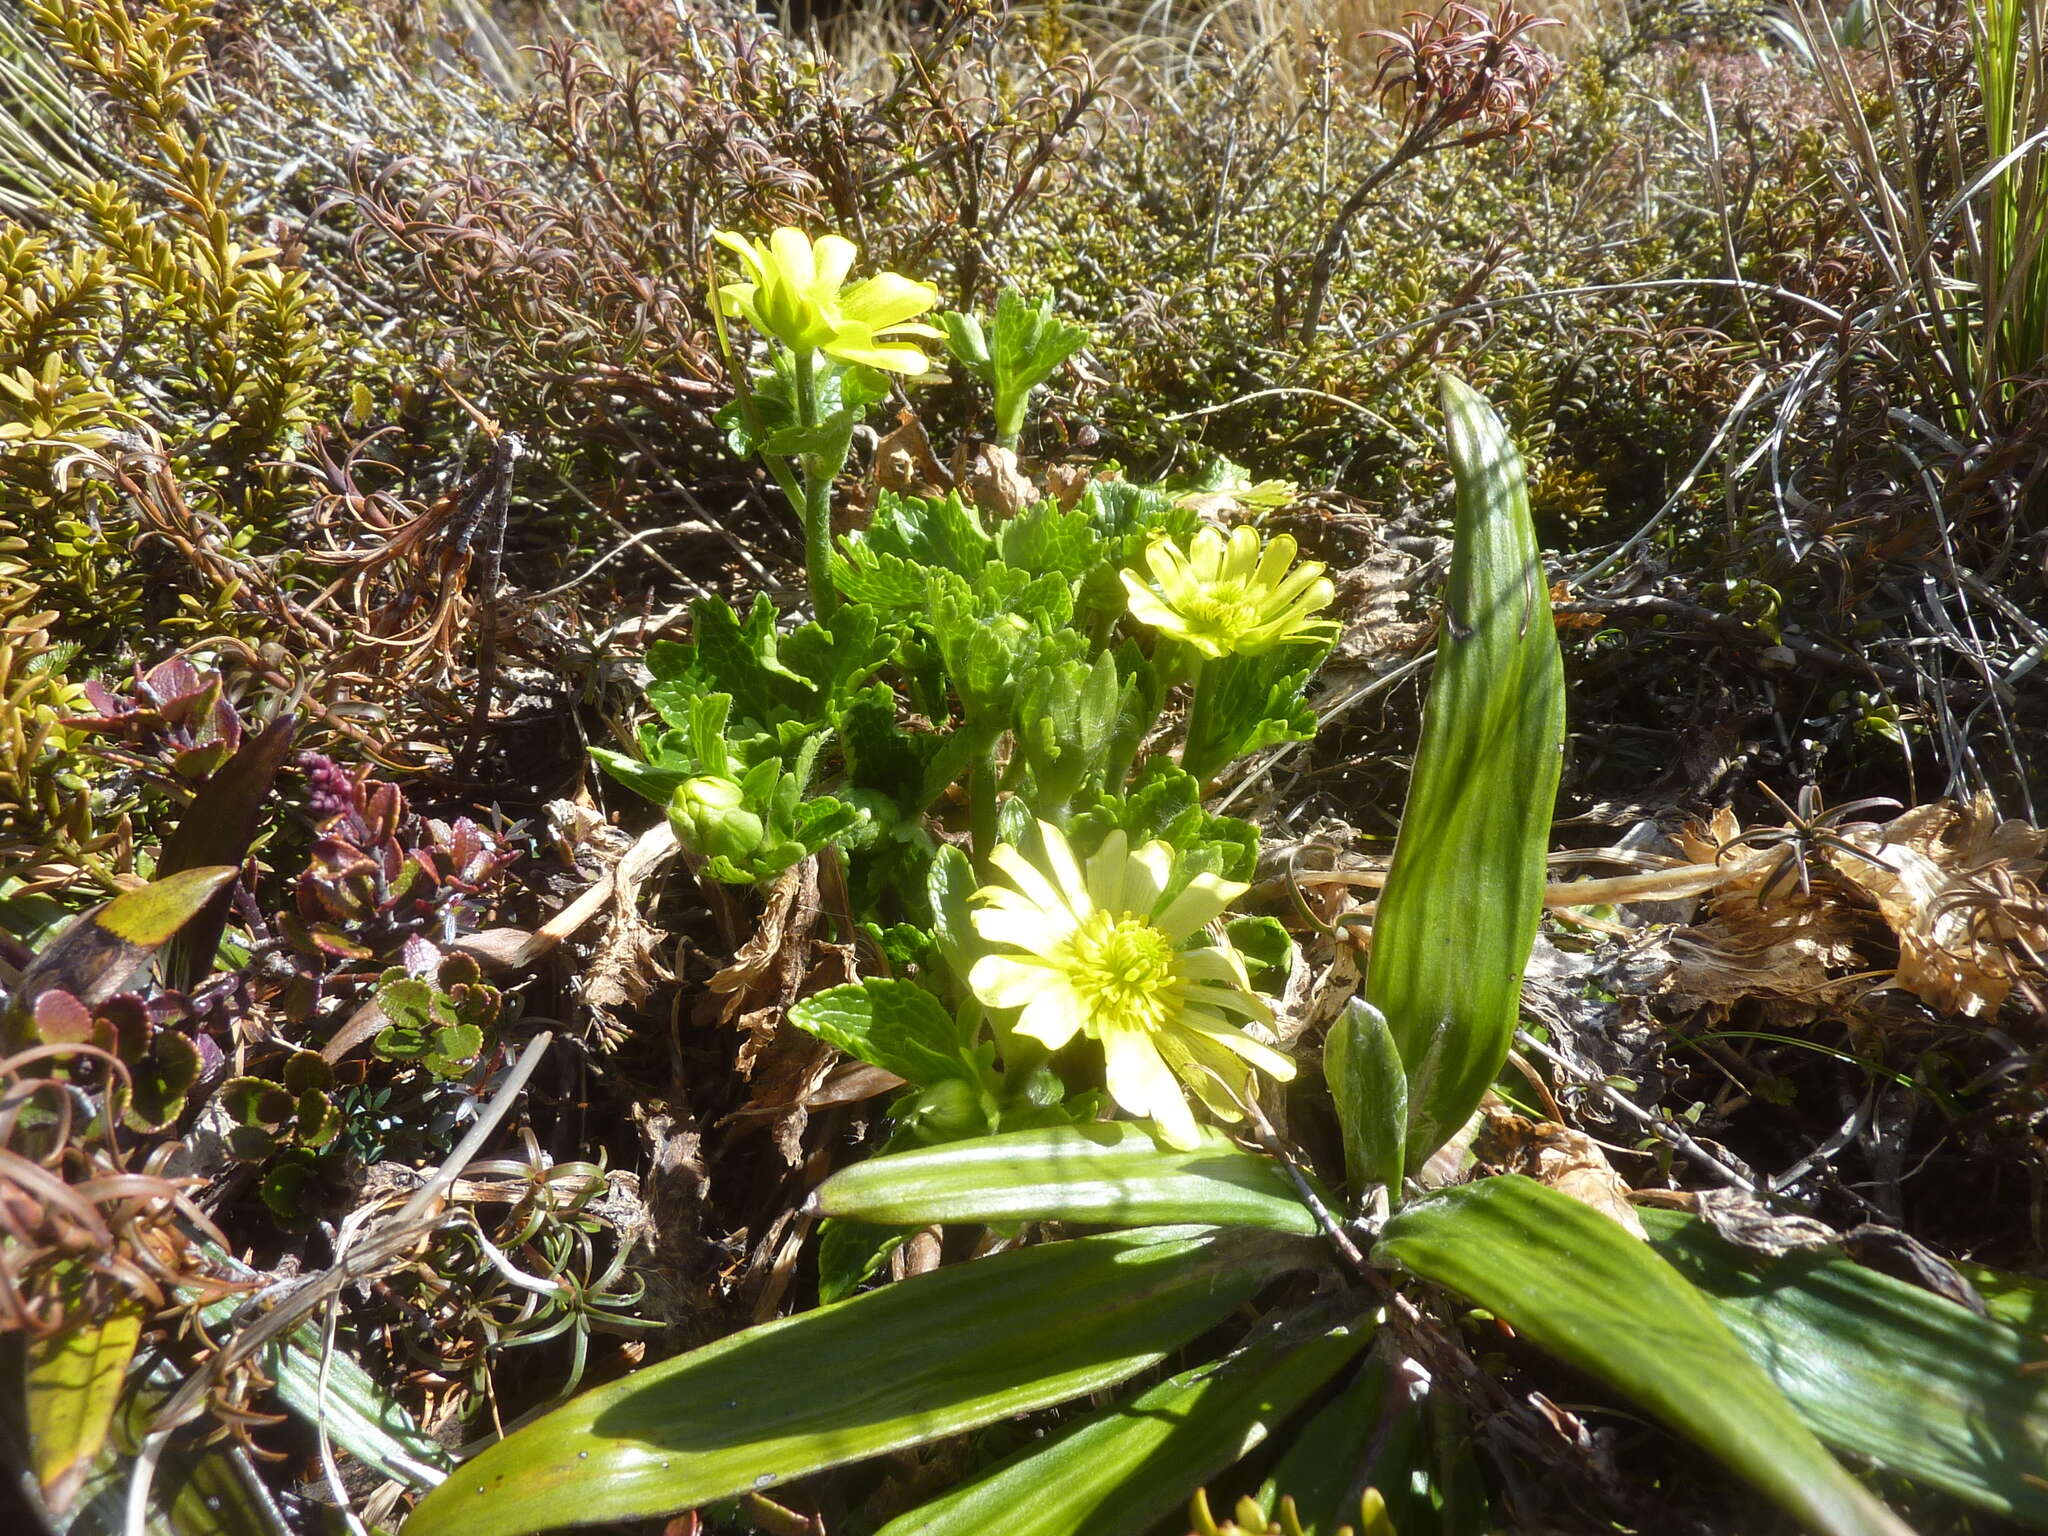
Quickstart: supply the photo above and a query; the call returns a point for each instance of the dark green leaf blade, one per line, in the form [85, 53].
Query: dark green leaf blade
[1881, 1368]
[1118, 1472]
[1464, 891]
[930, 1356]
[1574, 1283]
[1120, 1174]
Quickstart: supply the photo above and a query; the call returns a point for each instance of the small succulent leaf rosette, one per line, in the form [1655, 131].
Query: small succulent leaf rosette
[795, 293]
[1103, 950]
[1232, 595]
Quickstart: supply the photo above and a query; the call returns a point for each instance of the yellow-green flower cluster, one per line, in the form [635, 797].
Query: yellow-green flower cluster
[1232, 596]
[795, 293]
[1099, 952]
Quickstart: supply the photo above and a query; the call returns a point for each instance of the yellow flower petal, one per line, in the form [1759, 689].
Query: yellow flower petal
[1231, 596]
[832, 258]
[1145, 878]
[1200, 902]
[1141, 1082]
[1005, 981]
[1106, 872]
[1026, 926]
[1268, 1060]
[790, 250]
[1059, 858]
[1053, 1017]
[1027, 878]
[906, 360]
[1241, 559]
[887, 299]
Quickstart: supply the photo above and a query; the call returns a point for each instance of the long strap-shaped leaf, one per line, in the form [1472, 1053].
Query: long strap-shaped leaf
[74, 1383]
[1574, 1283]
[1118, 1174]
[930, 1356]
[1882, 1368]
[1465, 889]
[1115, 1474]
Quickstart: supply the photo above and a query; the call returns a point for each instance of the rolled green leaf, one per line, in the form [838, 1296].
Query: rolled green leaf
[1119, 1174]
[1117, 1473]
[1576, 1284]
[1883, 1369]
[1363, 1068]
[1459, 911]
[930, 1356]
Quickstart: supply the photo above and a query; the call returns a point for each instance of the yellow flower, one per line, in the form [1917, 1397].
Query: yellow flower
[794, 294]
[1101, 956]
[1232, 597]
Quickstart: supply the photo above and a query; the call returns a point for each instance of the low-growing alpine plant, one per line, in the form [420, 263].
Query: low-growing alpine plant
[1000, 730]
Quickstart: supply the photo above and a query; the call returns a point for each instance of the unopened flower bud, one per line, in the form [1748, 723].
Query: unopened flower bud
[710, 817]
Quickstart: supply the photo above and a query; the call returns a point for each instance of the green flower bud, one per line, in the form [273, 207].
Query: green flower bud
[710, 817]
[948, 1111]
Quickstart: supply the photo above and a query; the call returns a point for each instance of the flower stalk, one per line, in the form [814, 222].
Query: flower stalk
[793, 293]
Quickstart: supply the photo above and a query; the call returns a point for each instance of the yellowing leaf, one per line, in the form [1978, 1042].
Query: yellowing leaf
[73, 1386]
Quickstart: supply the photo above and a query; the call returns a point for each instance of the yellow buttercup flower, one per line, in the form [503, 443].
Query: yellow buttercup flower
[1232, 596]
[1099, 954]
[795, 294]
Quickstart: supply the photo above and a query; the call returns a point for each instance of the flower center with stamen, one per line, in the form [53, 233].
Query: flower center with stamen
[1224, 608]
[1122, 968]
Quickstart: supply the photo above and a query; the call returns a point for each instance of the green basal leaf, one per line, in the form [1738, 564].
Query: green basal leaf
[851, 1253]
[934, 534]
[1362, 1065]
[1116, 1174]
[73, 1384]
[742, 659]
[968, 343]
[839, 656]
[949, 884]
[880, 755]
[1267, 948]
[1365, 1437]
[1117, 1473]
[930, 1356]
[1165, 802]
[656, 775]
[1066, 715]
[1131, 516]
[1881, 1368]
[2021, 1300]
[894, 1025]
[1578, 1285]
[1463, 895]
[1250, 703]
[1043, 539]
